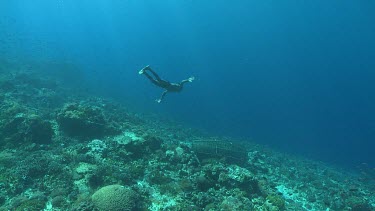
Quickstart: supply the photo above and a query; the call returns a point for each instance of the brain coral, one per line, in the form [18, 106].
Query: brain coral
[114, 198]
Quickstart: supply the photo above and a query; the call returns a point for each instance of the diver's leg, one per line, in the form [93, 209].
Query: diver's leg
[144, 69]
[154, 73]
[156, 82]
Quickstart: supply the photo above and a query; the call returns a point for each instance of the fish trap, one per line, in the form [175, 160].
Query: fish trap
[219, 149]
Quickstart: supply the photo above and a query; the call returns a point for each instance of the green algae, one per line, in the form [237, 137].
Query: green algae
[31, 205]
[276, 201]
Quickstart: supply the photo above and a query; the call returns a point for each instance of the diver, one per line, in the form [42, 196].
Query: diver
[168, 86]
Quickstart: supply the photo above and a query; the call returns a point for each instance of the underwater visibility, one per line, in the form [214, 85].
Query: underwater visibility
[187, 105]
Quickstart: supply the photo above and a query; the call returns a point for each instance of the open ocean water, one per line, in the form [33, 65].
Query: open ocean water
[297, 77]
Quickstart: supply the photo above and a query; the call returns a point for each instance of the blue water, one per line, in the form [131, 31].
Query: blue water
[297, 75]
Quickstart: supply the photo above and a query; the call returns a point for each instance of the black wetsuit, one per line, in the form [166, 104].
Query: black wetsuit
[168, 86]
[171, 87]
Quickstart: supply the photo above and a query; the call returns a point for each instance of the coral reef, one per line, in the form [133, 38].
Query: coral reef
[66, 150]
[24, 126]
[114, 197]
[81, 120]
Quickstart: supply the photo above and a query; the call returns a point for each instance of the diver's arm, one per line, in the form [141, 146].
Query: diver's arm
[191, 79]
[162, 96]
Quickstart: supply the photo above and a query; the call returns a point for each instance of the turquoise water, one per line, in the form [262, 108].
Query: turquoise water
[279, 116]
[297, 76]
